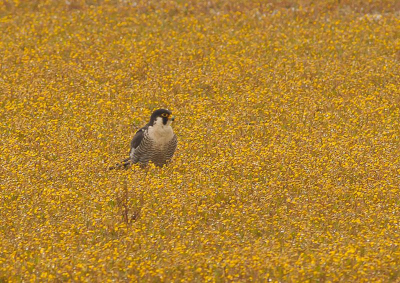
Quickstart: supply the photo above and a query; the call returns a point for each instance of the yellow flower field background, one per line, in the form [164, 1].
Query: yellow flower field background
[287, 114]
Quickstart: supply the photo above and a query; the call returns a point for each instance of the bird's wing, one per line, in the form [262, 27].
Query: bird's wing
[138, 137]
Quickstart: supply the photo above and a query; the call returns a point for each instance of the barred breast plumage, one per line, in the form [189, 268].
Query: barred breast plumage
[156, 142]
[157, 150]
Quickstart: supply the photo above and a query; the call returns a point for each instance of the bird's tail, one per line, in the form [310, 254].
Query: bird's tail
[124, 164]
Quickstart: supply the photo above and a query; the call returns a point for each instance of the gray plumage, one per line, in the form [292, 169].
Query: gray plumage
[155, 142]
[148, 150]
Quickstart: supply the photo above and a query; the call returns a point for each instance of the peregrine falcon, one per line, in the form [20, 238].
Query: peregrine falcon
[155, 142]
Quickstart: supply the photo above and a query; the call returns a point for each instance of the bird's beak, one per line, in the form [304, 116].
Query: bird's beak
[172, 118]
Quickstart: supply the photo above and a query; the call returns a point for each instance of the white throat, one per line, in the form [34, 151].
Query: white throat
[161, 133]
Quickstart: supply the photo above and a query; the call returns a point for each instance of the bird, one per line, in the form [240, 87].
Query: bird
[155, 142]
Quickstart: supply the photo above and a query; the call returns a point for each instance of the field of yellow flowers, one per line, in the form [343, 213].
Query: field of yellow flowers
[288, 118]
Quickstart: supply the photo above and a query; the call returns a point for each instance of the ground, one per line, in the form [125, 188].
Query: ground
[287, 114]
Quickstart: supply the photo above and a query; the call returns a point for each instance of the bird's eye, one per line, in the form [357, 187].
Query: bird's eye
[164, 115]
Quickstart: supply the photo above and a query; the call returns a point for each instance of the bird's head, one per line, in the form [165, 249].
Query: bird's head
[162, 117]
